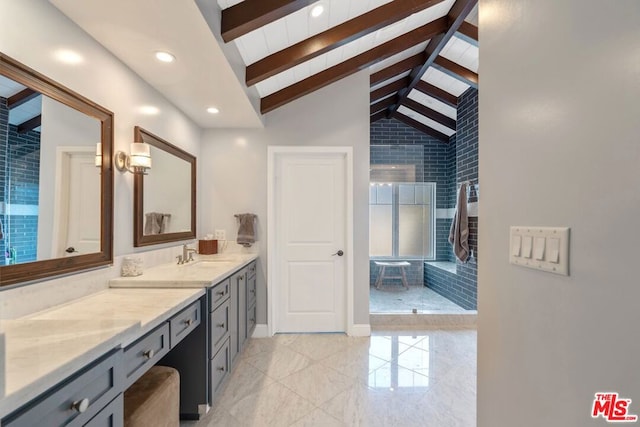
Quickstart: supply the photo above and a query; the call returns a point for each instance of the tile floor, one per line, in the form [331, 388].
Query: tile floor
[396, 299]
[421, 378]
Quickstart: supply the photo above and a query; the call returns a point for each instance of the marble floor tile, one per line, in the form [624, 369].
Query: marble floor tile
[274, 405]
[279, 363]
[396, 299]
[405, 378]
[318, 418]
[318, 383]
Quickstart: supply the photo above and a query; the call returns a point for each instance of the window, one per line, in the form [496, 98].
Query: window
[402, 220]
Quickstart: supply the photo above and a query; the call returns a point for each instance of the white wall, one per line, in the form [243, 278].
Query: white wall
[559, 146]
[33, 36]
[233, 170]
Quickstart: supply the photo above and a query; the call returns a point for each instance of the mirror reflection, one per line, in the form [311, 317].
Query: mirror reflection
[164, 198]
[49, 183]
[167, 204]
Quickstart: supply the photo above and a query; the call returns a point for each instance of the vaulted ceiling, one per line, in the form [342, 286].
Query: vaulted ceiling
[421, 54]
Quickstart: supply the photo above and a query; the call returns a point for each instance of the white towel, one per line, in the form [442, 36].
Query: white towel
[459, 232]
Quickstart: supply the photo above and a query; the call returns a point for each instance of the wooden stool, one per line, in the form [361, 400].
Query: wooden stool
[393, 264]
[153, 400]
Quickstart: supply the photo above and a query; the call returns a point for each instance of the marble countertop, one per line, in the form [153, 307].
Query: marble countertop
[44, 348]
[205, 271]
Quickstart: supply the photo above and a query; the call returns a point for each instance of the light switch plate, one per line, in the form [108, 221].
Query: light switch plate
[220, 235]
[548, 261]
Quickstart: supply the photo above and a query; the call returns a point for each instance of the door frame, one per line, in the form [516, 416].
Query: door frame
[273, 281]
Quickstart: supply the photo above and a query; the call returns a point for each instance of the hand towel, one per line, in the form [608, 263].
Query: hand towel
[459, 232]
[155, 223]
[246, 231]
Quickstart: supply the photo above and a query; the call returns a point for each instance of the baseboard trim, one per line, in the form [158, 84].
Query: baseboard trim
[360, 330]
[261, 331]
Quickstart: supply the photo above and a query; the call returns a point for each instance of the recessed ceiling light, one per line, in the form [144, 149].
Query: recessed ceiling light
[165, 56]
[69, 56]
[317, 10]
[149, 110]
[212, 110]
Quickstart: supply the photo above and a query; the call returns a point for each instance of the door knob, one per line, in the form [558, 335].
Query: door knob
[339, 253]
[70, 250]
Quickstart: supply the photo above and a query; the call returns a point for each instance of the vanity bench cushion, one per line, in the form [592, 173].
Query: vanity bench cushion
[154, 399]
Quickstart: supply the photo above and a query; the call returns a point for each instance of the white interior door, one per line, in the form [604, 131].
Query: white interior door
[310, 227]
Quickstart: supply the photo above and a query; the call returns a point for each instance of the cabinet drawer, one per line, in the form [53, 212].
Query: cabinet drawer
[251, 291]
[219, 327]
[251, 320]
[144, 353]
[77, 400]
[251, 269]
[219, 367]
[111, 416]
[184, 322]
[218, 294]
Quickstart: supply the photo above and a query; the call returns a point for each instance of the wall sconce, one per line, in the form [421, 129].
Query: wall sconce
[98, 154]
[139, 160]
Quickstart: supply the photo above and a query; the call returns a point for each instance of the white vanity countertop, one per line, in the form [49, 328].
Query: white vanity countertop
[205, 271]
[44, 348]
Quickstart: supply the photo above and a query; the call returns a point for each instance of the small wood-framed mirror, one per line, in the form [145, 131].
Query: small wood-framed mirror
[164, 200]
[56, 181]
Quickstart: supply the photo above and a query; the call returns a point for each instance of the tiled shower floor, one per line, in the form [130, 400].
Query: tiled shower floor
[392, 298]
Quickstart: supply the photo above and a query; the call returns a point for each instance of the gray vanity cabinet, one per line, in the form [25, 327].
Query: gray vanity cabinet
[238, 321]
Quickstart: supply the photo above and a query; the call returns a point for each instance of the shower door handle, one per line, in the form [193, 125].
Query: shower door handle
[339, 253]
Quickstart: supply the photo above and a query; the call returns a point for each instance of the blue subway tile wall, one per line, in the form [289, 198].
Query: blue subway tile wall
[22, 172]
[461, 287]
[4, 135]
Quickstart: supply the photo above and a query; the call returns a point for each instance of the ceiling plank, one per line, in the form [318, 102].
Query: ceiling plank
[421, 127]
[397, 68]
[455, 18]
[430, 113]
[21, 97]
[468, 32]
[250, 15]
[30, 124]
[382, 105]
[334, 37]
[353, 65]
[456, 71]
[377, 116]
[390, 88]
[435, 92]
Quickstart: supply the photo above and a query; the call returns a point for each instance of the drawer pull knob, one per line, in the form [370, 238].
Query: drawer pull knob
[220, 368]
[253, 291]
[220, 293]
[188, 322]
[148, 354]
[220, 325]
[252, 320]
[80, 405]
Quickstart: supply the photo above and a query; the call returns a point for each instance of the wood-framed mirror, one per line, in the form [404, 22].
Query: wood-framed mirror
[56, 186]
[164, 200]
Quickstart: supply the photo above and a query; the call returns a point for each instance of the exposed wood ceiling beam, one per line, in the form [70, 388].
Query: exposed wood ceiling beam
[334, 37]
[429, 113]
[377, 116]
[389, 89]
[381, 105]
[456, 71]
[30, 124]
[435, 92]
[250, 15]
[21, 97]
[469, 33]
[455, 18]
[397, 68]
[421, 127]
[353, 65]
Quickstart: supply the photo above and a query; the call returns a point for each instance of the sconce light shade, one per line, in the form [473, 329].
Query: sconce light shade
[138, 162]
[98, 160]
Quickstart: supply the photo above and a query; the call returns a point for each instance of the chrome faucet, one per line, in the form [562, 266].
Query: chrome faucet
[187, 253]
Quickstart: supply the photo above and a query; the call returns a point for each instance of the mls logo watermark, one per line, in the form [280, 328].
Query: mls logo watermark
[612, 408]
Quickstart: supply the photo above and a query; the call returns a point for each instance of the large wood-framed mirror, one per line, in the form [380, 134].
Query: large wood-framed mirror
[164, 200]
[56, 182]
